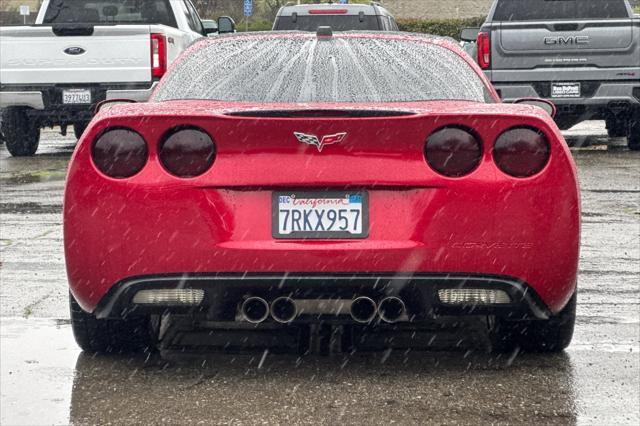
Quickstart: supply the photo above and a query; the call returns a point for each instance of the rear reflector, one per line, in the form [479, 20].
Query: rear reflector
[473, 296]
[169, 297]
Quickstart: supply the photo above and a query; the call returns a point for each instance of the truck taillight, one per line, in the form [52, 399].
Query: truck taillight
[484, 50]
[158, 55]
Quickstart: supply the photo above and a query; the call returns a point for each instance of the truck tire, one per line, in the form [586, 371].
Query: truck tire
[107, 335]
[633, 140]
[551, 335]
[79, 128]
[617, 128]
[22, 136]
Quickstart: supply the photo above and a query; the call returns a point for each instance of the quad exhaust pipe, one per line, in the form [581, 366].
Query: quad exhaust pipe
[254, 310]
[363, 309]
[284, 310]
[391, 309]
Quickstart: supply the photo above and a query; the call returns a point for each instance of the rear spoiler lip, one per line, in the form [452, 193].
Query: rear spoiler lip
[320, 113]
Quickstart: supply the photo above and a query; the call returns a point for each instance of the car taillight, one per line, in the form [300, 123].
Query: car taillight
[484, 50]
[158, 55]
[120, 153]
[453, 151]
[521, 152]
[187, 152]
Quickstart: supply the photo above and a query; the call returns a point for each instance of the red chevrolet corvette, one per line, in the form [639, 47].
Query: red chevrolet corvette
[278, 181]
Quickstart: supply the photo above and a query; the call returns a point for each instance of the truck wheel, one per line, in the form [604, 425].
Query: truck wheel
[551, 335]
[634, 136]
[617, 128]
[21, 135]
[107, 335]
[79, 128]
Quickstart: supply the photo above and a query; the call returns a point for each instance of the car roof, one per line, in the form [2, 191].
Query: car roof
[351, 9]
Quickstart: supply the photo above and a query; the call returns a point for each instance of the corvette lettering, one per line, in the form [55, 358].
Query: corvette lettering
[494, 245]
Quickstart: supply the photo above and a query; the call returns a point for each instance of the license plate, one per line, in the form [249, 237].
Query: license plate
[76, 96]
[565, 90]
[320, 215]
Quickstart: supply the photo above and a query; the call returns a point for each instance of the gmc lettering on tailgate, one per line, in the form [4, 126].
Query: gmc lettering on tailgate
[568, 40]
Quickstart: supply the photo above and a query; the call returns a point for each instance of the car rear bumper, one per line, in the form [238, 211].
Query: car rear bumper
[224, 294]
[30, 99]
[596, 94]
[47, 100]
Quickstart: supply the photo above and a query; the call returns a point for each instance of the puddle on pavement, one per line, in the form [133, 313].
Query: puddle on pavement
[23, 178]
[46, 379]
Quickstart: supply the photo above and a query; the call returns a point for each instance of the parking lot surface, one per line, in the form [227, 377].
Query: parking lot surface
[46, 379]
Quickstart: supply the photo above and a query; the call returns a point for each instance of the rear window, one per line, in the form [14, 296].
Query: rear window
[539, 10]
[109, 12]
[336, 22]
[305, 69]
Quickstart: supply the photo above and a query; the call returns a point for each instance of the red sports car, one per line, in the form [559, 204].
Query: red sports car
[278, 181]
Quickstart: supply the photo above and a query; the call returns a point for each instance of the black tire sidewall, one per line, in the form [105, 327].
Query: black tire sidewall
[22, 136]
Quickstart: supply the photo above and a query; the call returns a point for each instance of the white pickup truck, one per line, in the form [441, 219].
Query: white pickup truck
[82, 52]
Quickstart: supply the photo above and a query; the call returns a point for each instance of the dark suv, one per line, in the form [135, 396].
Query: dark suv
[340, 17]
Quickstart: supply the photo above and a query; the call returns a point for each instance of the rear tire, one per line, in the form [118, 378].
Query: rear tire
[617, 127]
[633, 140]
[107, 335]
[551, 335]
[22, 136]
[79, 128]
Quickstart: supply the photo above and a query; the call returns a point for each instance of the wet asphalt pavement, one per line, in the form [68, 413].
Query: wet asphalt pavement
[45, 379]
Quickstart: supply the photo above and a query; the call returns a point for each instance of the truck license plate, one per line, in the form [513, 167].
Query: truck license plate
[76, 96]
[565, 90]
[320, 215]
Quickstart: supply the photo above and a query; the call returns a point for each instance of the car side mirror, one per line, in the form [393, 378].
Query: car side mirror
[469, 34]
[548, 106]
[110, 103]
[210, 26]
[226, 25]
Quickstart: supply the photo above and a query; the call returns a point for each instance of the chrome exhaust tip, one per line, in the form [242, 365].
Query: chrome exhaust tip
[254, 310]
[284, 310]
[391, 309]
[363, 309]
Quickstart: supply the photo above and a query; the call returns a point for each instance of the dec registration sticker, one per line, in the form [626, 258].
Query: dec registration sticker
[320, 215]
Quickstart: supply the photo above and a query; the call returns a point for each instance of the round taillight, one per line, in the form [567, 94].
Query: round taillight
[187, 152]
[120, 153]
[453, 152]
[521, 152]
